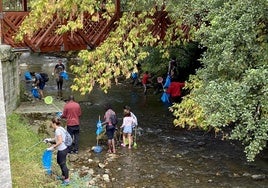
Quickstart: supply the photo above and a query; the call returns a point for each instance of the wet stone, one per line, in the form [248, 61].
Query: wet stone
[258, 177]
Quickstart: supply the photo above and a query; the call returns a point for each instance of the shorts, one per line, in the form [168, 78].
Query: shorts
[127, 129]
[42, 85]
[110, 129]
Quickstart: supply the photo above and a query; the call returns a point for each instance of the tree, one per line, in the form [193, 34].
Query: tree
[230, 90]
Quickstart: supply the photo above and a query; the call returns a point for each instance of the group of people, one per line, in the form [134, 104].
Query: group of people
[174, 89]
[72, 112]
[129, 123]
[40, 82]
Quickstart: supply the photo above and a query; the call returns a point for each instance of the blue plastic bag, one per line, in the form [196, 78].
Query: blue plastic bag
[27, 75]
[165, 97]
[97, 149]
[99, 128]
[35, 92]
[167, 83]
[64, 75]
[47, 161]
[134, 75]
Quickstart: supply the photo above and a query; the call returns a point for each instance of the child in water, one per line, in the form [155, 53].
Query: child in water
[128, 121]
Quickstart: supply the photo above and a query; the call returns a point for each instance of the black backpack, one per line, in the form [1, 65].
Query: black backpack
[44, 76]
[113, 119]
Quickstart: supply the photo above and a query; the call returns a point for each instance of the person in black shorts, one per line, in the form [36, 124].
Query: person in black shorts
[110, 128]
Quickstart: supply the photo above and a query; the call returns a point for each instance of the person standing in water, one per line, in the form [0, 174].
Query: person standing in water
[72, 112]
[127, 109]
[58, 69]
[128, 122]
[110, 127]
[39, 82]
[145, 81]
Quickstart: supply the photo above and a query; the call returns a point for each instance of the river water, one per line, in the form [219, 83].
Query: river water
[165, 156]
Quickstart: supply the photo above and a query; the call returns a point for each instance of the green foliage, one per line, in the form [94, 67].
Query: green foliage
[234, 77]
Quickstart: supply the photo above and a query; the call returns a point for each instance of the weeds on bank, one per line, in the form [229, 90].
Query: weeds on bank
[25, 151]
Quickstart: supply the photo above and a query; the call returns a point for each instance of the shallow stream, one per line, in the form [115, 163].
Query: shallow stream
[165, 156]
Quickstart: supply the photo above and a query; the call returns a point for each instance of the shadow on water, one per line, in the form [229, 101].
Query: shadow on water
[166, 156]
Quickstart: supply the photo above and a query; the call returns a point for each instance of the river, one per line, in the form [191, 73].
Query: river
[165, 156]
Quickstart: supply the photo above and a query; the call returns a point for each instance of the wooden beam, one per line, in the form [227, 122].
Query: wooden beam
[24, 5]
[48, 31]
[117, 7]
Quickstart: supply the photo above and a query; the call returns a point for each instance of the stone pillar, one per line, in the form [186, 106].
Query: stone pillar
[5, 173]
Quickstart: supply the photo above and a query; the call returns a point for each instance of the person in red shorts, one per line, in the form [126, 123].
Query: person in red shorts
[145, 81]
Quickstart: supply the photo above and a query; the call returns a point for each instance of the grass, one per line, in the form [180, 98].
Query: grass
[26, 149]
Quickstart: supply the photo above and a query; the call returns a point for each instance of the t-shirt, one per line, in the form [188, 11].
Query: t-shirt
[38, 77]
[135, 123]
[59, 132]
[145, 78]
[174, 89]
[128, 121]
[72, 113]
[107, 116]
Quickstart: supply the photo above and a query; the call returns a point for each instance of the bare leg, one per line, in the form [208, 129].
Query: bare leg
[129, 141]
[110, 145]
[113, 146]
[41, 93]
[124, 139]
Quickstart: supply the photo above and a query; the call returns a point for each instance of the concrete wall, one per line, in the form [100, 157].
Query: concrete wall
[9, 98]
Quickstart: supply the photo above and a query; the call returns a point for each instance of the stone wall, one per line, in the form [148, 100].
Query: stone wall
[11, 81]
[9, 98]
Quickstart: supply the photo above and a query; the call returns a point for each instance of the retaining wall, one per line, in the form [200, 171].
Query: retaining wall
[9, 101]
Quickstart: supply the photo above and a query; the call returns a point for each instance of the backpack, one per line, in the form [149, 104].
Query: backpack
[113, 119]
[44, 76]
[68, 138]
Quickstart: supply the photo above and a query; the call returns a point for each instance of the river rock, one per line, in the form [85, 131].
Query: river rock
[258, 176]
[91, 171]
[106, 177]
[101, 165]
[73, 158]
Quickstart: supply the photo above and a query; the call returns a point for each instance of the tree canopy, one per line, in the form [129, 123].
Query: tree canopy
[229, 91]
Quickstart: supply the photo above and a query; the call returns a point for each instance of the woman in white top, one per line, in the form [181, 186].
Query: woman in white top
[59, 144]
[128, 122]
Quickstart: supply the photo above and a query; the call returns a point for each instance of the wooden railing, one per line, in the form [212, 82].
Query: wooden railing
[92, 34]
[45, 40]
